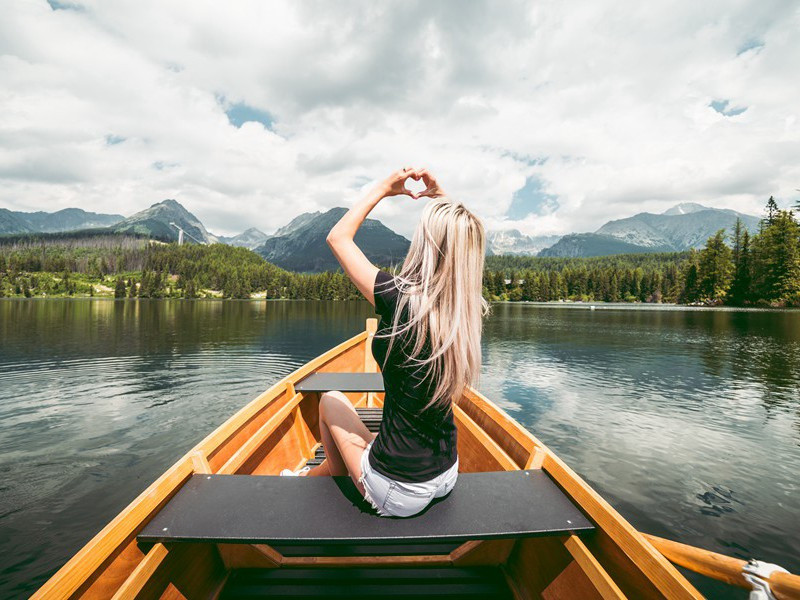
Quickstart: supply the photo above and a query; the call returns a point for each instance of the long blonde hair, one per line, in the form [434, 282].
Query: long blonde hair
[441, 284]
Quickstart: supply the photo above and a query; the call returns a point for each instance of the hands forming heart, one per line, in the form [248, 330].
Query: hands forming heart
[397, 184]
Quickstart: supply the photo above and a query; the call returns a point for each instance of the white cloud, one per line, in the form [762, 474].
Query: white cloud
[607, 104]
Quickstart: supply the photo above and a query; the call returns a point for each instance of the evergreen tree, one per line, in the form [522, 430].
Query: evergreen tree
[776, 276]
[740, 286]
[772, 210]
[119, 288]
[715, 268]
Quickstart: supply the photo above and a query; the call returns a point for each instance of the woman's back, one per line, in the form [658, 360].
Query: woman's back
[415, 443]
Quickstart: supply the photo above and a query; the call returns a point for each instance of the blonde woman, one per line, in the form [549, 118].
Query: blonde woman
[428, 346]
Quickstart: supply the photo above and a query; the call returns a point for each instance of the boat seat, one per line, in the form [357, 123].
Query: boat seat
[344, 382]
[265, 509]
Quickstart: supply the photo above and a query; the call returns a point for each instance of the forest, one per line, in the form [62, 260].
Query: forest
[733, 269]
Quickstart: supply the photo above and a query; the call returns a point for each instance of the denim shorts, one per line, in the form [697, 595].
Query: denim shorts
[400, 498]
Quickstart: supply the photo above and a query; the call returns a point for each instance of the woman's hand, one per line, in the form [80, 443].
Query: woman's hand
[395, 184]
[432, 188]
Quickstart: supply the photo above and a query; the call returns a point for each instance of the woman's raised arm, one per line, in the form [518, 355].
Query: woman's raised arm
[341, 237]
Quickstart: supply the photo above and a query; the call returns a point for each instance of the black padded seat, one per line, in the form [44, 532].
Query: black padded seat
[262, 509]
[343, 382]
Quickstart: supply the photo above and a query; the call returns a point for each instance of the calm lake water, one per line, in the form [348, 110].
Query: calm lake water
[687, 421]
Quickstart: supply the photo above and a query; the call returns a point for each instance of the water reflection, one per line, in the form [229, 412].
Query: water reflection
[688, 422]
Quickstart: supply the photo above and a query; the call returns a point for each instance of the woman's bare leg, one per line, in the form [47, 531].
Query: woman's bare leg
[344, 437]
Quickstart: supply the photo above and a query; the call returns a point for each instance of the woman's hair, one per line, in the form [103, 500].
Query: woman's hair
[441, 283]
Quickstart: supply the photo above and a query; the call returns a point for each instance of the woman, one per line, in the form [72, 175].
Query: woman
[428, 346]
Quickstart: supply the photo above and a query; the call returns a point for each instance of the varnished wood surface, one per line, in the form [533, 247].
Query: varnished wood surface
[784, 586]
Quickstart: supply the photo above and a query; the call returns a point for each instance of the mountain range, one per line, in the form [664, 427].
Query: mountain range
[682, 227]
[68, 219]
[251, 238]
[300, 244]
[512, 241]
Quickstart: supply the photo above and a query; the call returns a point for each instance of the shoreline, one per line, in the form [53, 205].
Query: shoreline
[576, 305]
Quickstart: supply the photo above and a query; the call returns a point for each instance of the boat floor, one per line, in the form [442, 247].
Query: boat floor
[396, 582]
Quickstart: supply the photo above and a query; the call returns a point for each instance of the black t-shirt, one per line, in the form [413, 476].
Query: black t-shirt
[413, 444]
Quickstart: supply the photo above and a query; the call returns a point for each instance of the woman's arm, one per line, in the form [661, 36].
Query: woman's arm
[340, 239]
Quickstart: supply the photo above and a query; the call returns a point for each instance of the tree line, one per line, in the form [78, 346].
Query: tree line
[132, 267]
[763, 269]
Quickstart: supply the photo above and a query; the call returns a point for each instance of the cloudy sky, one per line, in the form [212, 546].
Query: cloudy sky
[545, 116]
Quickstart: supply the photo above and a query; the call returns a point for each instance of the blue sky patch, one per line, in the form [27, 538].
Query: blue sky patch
[723, 108]
[240, 113]
[113, 140]
[531, 199]
[56, 5]
[751, 44]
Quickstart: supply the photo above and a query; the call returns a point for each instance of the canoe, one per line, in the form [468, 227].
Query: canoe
[519, 524]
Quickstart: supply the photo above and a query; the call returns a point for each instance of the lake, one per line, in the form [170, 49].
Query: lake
[686, 420]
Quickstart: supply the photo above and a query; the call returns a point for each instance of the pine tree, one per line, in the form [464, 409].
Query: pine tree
[776, 276]
[740, 286]
[715, 268]
[772, 210]
[119, 288]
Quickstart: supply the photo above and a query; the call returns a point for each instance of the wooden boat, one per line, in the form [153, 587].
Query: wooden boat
[213, 527]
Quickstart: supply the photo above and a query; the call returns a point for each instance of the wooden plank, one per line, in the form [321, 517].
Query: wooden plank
[259, 437]
[572, 583]
[428, 560]
[537, 459]
[247, 556]
[468, 430]
[302, 432]
[370, 365]
[137, 580]
[200, 462]
[485, 552]
[593, 569]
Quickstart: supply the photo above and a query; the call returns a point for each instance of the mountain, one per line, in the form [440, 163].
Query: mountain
[576, 245]
[301, 246]
[11, 223]
[68, 219]
[682, 227]
[296, 223]
[155, 222]
[251, 238]
[512, 241]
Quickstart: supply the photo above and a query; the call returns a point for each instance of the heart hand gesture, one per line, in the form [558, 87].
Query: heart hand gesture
[395, 184]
